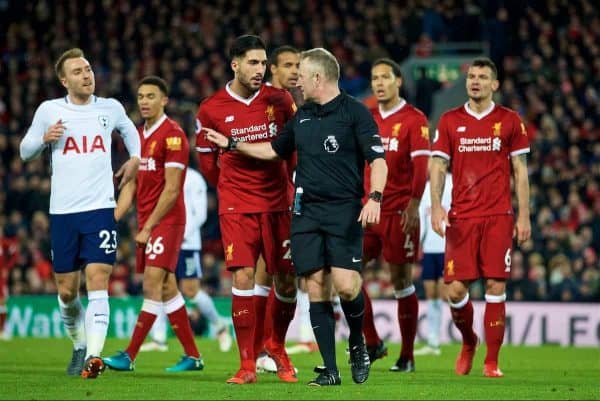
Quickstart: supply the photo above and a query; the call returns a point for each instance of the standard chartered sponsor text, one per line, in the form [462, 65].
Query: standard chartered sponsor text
[478, 144]
[251, 133]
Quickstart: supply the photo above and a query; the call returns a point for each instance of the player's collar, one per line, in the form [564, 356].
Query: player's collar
[93, 99]
[237, 97]
[151, 130]
[481, 115]
[385, 114]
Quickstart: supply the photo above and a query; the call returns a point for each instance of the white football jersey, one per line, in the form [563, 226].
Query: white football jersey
[82, 175]
[431, 242]
[194, 195]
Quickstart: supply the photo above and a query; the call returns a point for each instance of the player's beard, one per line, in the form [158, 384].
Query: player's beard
[247, 83]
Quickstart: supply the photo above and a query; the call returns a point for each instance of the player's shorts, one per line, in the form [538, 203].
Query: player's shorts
[3, 287]
[162, 249]
[388, 237]
[78, 239]
[245, 236]
[433, 266]
[188, 264]
[478, 247]
[327, 234]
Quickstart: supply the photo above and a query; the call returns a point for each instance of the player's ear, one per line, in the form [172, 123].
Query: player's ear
[235, 65]
[495, 85]
[63, 82]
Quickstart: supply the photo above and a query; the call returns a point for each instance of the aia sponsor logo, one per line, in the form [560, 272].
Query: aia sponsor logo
[84, 145]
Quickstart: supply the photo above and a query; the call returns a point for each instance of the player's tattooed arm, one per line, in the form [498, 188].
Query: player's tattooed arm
[437, 173]
[438, 168]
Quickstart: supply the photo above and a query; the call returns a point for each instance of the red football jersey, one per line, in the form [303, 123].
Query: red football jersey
[479, 147]
[245, 184]
[163, 145]
[405, 135]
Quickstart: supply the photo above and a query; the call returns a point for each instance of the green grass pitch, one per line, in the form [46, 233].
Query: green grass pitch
[34, 369]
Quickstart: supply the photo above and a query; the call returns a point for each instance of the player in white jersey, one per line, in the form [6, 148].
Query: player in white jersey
[189, 269]
[77, 131]
[433, 266]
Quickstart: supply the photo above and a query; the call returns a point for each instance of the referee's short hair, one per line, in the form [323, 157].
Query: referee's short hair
[324, 59]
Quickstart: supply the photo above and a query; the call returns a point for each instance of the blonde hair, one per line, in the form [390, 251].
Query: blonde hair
[71, 53]
[324, 60]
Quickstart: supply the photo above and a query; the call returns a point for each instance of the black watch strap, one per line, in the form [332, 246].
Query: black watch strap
[231, 144]
[376, 196]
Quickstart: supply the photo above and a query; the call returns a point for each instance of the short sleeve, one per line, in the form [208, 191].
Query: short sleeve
[176, 149]
[203, 145]
[367, 133]
[519, 141]
[440, 144]
[419, 137]
[285, 144]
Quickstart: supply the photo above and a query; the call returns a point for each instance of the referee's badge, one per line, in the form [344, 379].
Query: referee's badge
[331, 144]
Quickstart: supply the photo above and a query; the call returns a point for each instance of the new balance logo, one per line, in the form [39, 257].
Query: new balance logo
[462, 128]
[229, 119]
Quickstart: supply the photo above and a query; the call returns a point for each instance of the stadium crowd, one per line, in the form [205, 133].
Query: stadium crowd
[548, 53]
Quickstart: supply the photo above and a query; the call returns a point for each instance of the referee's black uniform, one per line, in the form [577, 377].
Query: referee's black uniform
[333, 141]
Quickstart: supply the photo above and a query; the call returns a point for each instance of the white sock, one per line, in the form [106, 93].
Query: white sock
[158, 332]
[97, 317]
[305, 334]
[206, 306]
[72, 315]
[434, 322]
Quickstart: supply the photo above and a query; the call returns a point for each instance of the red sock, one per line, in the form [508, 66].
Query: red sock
[2, 321]
[180, 323]
[260, 310]
[494, 325]
[371, 337]
[244, 318]
[408, 317]
[282, 315]
[463, 320]
[268, 329]
[142, 327]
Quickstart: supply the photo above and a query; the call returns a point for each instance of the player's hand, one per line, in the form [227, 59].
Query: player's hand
[128, 170]
[142, 237]
[410, 217]
[522, 230]
[54, 133]
[370, 213]
[216, 137]
[439, 220]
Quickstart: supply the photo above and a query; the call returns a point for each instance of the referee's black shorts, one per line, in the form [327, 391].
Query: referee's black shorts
[327, 234]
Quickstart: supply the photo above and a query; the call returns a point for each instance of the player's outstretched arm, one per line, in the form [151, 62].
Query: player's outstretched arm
[522, 230]
[437, 176]
[261, 150]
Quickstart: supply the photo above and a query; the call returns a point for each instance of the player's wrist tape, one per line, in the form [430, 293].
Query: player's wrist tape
[376, 196]
[231, 144]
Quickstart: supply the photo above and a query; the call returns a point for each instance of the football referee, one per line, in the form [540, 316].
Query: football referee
[334, 135]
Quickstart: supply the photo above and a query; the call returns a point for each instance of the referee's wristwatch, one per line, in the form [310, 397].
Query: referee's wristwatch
[376, 196]
[231, 144]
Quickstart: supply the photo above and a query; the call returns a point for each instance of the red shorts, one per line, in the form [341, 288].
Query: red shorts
[245, 236]
[162, 249]
[387, 236]
[478, 247]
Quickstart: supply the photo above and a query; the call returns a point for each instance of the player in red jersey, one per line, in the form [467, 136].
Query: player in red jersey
[481, 141]
[405, 137]
[161, 225]
[9, 254]
[253, 201]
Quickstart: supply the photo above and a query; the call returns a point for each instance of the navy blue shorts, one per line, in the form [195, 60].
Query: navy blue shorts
[188, 264]
[433, 266]
[78, 239]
